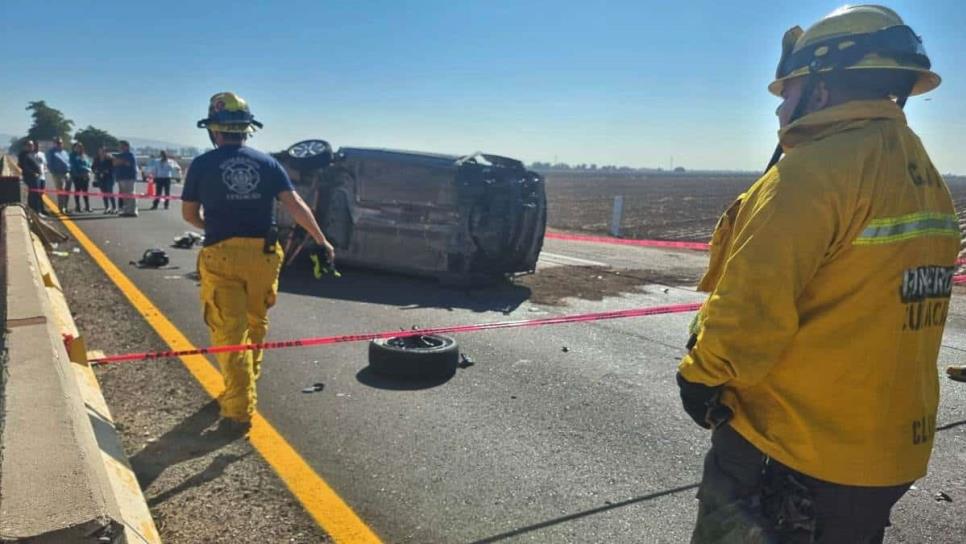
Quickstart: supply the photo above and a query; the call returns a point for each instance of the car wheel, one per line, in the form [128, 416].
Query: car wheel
[418, 356]
[310, 154]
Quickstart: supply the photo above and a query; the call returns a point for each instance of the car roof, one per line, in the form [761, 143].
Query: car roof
[413, 156]
[421, 157]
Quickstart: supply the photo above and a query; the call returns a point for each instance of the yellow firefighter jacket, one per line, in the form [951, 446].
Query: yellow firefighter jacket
[830, 281]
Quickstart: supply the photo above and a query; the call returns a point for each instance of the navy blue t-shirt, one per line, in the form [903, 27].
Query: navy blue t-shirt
[128, 170]
[236, 186]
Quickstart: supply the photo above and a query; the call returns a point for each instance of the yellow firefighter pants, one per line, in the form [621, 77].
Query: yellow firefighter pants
[239, 283]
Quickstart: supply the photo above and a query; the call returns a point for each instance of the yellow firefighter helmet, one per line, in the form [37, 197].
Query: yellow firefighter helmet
[228, 112]
[855, 38]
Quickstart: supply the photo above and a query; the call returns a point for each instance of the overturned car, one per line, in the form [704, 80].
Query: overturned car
[468, 219]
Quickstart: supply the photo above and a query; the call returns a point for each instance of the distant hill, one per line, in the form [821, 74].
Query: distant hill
[135, 142]
[147, 142]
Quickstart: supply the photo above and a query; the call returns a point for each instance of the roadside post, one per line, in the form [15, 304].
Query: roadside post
[9, 180]
[617, 215]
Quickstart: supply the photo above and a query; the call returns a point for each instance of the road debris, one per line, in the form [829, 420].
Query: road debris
[465, 362]
[565, 349]
[315, 388]
[153, 258]
[187, 240]
[942, 497]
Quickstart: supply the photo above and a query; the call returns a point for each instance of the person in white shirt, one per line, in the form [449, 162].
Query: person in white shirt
[164, 170]
[42, 160]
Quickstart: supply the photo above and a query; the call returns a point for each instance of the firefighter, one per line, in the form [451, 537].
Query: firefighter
[814, 356]
[230, 192]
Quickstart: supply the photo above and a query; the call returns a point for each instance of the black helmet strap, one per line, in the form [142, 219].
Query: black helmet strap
[807, 91]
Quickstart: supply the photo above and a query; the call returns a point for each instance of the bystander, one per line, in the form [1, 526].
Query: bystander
[58, 165]
[125, 173]
[31, 172]
[80, 176]
[104, 179]
[164, 171]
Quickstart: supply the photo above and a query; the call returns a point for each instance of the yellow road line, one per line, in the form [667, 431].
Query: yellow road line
[318, 498]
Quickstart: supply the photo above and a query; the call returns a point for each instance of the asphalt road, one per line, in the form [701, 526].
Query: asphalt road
[530, 444]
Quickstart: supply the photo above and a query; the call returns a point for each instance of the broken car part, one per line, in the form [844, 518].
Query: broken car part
[153, 258]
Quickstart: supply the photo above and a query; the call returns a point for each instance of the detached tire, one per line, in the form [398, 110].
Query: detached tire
[419, 356]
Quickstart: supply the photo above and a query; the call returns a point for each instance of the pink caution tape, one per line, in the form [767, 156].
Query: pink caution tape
[100, 194]
[700, 246]
[318, 341]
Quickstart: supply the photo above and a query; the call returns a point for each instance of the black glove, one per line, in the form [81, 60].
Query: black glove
[321, 265]
[701, 403]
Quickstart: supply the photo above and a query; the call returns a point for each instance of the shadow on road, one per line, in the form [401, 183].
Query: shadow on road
[367, 377]
[405, 292]
[185, 441]
[211, 472]
[93, 216]
[585, 513]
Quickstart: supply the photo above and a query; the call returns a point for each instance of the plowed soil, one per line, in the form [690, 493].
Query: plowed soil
[656, 206]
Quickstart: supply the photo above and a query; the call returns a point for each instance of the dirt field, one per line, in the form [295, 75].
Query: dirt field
[660, 207]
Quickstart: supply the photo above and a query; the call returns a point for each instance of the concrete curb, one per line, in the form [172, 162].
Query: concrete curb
[63, 475]
[138, 524]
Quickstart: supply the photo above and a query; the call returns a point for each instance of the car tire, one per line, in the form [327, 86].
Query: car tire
[309, 154]
[426, 356]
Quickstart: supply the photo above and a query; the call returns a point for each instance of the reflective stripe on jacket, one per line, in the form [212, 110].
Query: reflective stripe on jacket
[829, 293]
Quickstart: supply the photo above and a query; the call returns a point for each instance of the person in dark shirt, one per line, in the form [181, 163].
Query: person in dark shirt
[80, 175]
[104, 177]
[32, 174]
[230, 192]
[125, 173]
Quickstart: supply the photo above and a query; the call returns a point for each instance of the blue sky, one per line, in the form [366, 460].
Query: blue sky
[629, 82]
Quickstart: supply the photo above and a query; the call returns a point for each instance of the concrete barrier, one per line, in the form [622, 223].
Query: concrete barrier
[64, 477]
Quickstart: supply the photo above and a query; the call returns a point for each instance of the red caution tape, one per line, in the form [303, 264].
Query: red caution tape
[700, 246]
[100, 194]
[365, 337]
